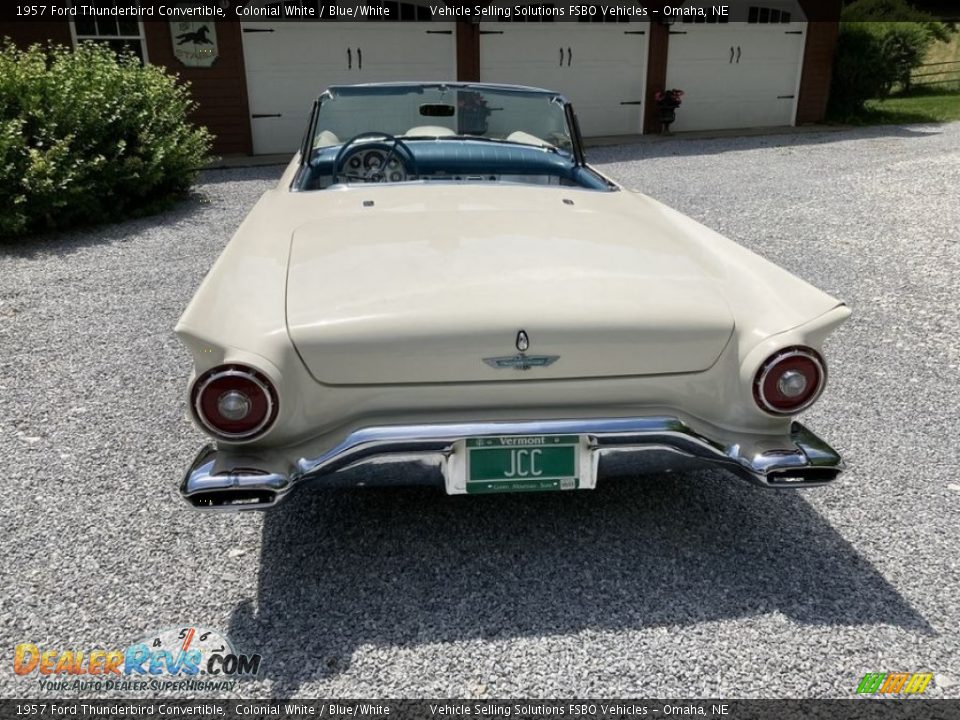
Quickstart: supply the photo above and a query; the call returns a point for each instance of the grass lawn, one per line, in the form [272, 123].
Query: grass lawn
[929, 104]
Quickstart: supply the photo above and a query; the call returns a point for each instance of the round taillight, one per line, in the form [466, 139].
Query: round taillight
[789, 381]
[234, 402]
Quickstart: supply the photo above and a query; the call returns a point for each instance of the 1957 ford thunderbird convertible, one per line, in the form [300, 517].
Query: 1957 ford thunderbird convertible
[441, 290]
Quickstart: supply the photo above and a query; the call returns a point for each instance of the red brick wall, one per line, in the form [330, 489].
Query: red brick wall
[468, 51]
[817, 71]
[817, 59]
[220, 90]
[656, 74]
[27, 33]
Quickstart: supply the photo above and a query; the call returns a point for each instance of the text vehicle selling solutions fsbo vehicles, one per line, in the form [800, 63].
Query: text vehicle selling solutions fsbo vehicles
[440, 289]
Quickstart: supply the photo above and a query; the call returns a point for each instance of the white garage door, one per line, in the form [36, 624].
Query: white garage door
[739, 74]
[288, 64]
[600, 67]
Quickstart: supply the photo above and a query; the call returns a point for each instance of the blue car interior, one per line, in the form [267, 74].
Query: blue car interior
[460, 160]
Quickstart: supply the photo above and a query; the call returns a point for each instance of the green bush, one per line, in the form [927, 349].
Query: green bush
[881, 42]
[905, 45]
[859, 72]
[87, 137]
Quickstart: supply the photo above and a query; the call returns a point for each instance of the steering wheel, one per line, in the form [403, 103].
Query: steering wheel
[362, 165]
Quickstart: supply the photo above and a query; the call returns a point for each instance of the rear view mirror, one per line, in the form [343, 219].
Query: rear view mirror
[437, 110]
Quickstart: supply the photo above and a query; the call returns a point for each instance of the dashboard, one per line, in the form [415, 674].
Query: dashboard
[374, 165]
[429, 160]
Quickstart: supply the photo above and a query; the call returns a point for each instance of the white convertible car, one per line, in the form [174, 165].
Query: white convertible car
[440, 289]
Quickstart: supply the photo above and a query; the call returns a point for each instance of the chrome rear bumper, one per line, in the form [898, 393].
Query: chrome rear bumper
[417, 454]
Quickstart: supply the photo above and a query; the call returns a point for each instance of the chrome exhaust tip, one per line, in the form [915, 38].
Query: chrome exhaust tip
[234, 500]
[802, 477]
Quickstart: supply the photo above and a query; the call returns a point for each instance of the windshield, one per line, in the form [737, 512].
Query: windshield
[522, 116]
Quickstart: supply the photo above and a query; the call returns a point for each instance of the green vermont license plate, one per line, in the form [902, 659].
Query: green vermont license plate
[523, 463]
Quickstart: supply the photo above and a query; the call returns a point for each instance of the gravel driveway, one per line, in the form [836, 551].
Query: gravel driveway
[693, 586]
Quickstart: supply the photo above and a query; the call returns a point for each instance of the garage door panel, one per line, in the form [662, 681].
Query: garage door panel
[597, 67]
[288, 64]
[736, 75]
[770, 78]
[771, 43]
[770, 114]
[521, 56]
[695, 45]
[697, 80]
[596, 42]
[705, 110]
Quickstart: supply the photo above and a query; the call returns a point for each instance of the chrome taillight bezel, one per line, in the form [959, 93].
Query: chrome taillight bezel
[776, 359]
[203, 382]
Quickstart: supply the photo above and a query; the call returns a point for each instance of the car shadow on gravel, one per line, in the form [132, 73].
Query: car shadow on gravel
[343, 568]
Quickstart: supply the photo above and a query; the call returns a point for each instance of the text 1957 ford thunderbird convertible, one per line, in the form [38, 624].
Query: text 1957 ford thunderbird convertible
[440, 289]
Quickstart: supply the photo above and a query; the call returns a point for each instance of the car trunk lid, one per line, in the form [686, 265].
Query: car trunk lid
[438, 291]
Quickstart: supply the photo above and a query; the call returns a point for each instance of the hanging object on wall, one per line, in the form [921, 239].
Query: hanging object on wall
[195, 43]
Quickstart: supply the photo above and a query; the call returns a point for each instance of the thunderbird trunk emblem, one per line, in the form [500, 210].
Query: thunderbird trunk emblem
[523, 342]
[521, 361]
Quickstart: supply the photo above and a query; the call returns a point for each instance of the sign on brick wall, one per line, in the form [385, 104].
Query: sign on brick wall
[195, 43]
